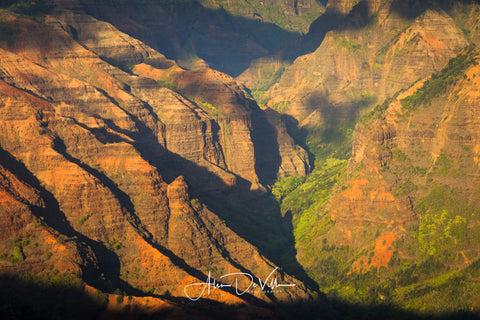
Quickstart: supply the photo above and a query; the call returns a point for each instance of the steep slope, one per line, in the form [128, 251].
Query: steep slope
[212, 92]
[374, 54]
[42, 266]
[99, 139]
[264, 72]
[379, 220]
[402, 223]
[26, 237]
[290, 15]
[223, 34]
[124, 174]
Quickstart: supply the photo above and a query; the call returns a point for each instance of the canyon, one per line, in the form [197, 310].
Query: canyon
[148, 146]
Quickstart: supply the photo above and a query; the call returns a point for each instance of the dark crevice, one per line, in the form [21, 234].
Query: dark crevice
[180, 263]
[212, 191]
[128, 210]
[23, 299]
[55, 220]
[188, 30]
[226, 255]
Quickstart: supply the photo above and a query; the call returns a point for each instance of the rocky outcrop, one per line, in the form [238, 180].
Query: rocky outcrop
[356, 66]
[293, 159]
[288, 14]
[104, 40]
[229, 116]
[404, 152]
[228, 37]
[341, 6]
[100, 144]
[28, 244]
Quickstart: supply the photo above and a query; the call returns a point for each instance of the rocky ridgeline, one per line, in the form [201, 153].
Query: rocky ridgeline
[97, 127]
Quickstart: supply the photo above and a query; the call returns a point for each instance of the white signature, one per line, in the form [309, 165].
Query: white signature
[270, 283]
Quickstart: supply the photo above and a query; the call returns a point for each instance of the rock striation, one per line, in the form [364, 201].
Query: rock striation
[373, 54]
[97, 130]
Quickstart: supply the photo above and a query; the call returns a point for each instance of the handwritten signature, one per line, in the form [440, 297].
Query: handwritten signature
[270, 283]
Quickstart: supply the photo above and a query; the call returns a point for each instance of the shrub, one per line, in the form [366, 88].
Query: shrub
[440, 81]
[405, 188]
[440, 232]
[83, 219]
[169, 84]
[286, 185]
[18, 255]
[399, 155]
[352, 45]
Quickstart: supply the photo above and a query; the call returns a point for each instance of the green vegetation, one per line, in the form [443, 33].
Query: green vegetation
[286, 185]
[83, 219]
[150, 290]
[7, 3]
[439, 233]
[18, 255]
[382, 53]
[378, 111]
[443, 164]
[169, 84]
[281, 106]
[53, 278]
[120, 295]
[250, 21]
[195, 203]
[7, 31]
[36, 223]
[35, 10]
[440, 81]
[114, 244]
[444, 198]
[443, 240]
[399, 155]
[432, 88]
[430, 260]
[128, 68]
[367, 98]
[101, 298]
[467, 18]
[268, 74]
[434, 252]
[352, 45]
[273, 12]
[404, 188]
[305, 202]
[207, 106]
[212, 110]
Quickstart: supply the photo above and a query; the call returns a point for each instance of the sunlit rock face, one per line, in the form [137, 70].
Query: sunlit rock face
[131, 166]
[105, 143]
[375, 53]
[412, 151]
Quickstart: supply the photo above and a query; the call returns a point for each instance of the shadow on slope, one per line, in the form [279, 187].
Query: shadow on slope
[411, 9]
[27, 298]
[104, 273]
[183, 30]
[106, 260]
[253, 215]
